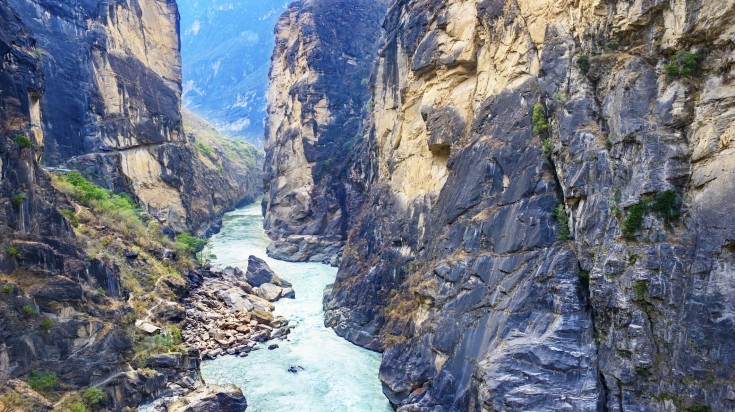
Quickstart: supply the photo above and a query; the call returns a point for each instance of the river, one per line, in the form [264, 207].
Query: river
[336, 375]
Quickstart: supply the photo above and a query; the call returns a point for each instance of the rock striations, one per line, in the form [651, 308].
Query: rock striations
[547, 216]
[112, 102]
[90, 283]
[317, 99]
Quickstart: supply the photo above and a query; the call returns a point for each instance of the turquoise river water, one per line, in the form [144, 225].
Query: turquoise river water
[337, 375]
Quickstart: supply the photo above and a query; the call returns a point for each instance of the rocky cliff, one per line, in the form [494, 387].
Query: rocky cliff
[547, 224]
[318, 97]
[112, 102]
[85, 273]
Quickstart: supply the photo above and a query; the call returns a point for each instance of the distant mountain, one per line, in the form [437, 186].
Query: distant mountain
[226, 47]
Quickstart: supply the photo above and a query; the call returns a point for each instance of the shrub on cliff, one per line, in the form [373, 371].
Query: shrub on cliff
[562, 222]
[583, 62]
[665, 205]
[13, 251]
[94, 395]
[117, 210]
[684, 64]
[190, 244]
[539, 120]
[23, 141]
[17, 200]
[42, 381]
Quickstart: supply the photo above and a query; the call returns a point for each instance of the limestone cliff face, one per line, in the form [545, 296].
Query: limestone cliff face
[583, 265]
[317, 99]
[112, 102]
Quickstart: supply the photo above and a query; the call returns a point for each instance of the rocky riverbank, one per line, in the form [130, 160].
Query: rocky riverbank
[230, 311]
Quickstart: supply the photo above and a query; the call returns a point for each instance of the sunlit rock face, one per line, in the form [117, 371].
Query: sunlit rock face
[112, 105]
[318, 97]
[458, 267]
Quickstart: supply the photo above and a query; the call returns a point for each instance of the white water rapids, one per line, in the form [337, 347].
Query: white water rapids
[336, 375]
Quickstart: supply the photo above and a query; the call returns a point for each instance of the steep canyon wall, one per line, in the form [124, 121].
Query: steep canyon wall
[112, 105]
[547, 225]
[317, 100]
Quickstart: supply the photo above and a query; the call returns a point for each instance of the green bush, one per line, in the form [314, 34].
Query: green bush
[684, 64]
[633, 221]
[129, 318]
[167, 341]
[548, 147]
[77, 407]
[42, 381]
[18, 199]
[665, 205]
[87, 190]
[562, 223]
[72, 216]
[699, 408]
[7, 288]
[189, 243]
[102, 199]
[28, 310]
[583, 62]
[23, 141]
[640, 287]
[13, 251]
[94, 395]
[47, 324]
[539, 120]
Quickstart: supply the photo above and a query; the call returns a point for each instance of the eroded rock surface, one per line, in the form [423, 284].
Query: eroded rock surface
[575, 261]
[318, 97]
[111, 107]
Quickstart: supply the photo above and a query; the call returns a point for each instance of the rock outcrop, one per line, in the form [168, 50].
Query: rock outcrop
[546, 219]
[111, 108]
[317, 99]
[80, 266]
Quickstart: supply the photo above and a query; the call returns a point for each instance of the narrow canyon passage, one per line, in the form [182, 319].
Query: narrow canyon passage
[336, 375]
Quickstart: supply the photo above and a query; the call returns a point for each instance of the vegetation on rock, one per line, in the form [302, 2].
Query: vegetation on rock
[562, 222]
[23, 141]
[42, 381]
[583, 62]
[664, 204]
[539, 120]
[17, 200]
[684, 64]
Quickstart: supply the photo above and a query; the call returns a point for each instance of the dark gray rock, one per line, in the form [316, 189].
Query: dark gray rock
[259, 273]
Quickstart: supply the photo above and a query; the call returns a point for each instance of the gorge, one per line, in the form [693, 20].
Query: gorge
[524, 203]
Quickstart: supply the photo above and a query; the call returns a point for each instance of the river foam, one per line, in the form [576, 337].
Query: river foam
[336, 375]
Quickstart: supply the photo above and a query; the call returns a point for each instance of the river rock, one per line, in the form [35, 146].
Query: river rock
[211, 399]
[288, 293]
[269, 292]
[259, 273]
[234, 298]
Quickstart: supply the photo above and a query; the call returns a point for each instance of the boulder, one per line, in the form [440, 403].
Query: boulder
[233, 298]
[270, 292]
[288, 293]
[259, 273]
[212, 398]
